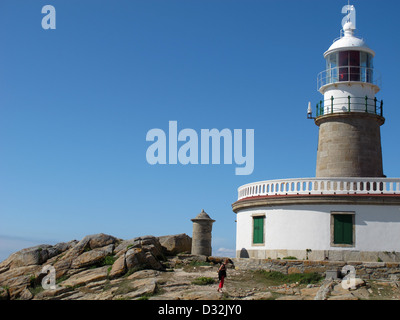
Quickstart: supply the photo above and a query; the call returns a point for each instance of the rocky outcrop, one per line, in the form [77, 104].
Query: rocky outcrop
[95, 258]
[172, 245]
[102, 267]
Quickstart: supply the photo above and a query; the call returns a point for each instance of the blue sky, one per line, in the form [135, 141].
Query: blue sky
[77, 102]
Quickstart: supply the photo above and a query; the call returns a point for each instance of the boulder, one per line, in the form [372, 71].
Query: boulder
[101, 240]
[152, 262]
[60, 248]
[139, 258]
[152, 244]
[27, 257]
[92, 257]
[147, 242]
[125, 245]
[118, 268]
[36, 255]
[18, 278]
[90, 242]
[85, 277]
[62, 266]
[135, 258]
[174, 244]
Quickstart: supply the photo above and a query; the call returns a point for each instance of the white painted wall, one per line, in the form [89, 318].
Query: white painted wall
[356, 91]
[301, 227]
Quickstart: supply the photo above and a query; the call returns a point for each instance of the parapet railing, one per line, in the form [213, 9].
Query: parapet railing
[349, 73]
[350, 104]
[321, 186]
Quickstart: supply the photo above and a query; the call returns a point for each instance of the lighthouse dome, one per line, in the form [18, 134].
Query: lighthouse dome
[349, 42]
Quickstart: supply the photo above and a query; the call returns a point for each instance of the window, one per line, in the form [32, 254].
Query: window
[344, 63]
[331, 66]
[258, 229]
[342, 229]
[364, 66]
[354, 61]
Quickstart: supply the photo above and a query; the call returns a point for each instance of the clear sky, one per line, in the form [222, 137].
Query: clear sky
[77, 102]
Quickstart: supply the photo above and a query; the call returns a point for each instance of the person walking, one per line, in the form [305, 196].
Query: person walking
[222, 274]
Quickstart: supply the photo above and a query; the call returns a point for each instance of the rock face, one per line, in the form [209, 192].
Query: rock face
[95, 258]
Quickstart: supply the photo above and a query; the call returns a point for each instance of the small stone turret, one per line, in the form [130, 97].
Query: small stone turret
[201, 238]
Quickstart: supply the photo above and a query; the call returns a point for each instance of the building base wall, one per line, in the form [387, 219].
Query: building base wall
[363, 270]
[321, 255]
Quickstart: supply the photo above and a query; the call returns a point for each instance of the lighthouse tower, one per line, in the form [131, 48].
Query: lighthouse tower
[350, 211]
[350, 115]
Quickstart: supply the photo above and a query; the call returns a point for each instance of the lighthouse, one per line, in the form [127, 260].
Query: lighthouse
[349, 116]
[350, 211]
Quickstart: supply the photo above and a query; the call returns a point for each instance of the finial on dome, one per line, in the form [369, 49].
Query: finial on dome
[348, 29]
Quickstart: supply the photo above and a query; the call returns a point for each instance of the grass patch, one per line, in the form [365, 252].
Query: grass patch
[196, 263]
[203, 281]
[289, 258]
[108, 260]
[301, 278]
[146, 296]
[62, 278]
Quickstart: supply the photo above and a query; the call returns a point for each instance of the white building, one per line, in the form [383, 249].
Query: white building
[350, 211]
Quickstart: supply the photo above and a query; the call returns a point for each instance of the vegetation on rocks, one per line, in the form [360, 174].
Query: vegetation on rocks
[203, 281]
[301, 278]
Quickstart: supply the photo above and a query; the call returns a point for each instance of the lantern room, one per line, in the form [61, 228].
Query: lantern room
[348, 59]
[350, 65]
[349, 82]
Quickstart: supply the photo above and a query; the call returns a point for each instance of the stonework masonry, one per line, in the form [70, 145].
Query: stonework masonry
[364, 270]
[349, 145]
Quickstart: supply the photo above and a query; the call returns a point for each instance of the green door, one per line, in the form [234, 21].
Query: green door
[343, 229]
[258, 230]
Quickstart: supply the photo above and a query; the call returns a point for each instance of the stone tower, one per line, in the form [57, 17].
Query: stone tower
[350, 116]
[201, 238]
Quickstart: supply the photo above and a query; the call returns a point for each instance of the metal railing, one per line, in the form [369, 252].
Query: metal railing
[348, 73]
[350, 104]
[320, 186]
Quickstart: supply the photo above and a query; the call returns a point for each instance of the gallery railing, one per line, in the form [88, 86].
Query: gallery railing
[350, 104]
[320, 186]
